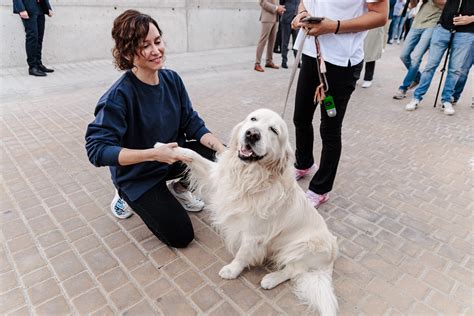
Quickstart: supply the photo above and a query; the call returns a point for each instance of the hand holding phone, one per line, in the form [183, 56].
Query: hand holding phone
[312, 19]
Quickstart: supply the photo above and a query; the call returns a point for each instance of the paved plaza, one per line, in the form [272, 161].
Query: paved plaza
[401, 207]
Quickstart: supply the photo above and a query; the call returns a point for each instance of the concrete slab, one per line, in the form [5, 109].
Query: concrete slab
[401, 207]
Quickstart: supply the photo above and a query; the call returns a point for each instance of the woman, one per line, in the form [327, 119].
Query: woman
[373, 46]
[341, 38]
[148, 104]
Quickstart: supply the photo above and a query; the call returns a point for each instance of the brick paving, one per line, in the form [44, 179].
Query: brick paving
[401, 207]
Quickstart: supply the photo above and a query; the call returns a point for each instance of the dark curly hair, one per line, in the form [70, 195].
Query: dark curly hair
[129, 32]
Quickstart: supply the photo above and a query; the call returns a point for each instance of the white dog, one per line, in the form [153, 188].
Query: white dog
[261, 211]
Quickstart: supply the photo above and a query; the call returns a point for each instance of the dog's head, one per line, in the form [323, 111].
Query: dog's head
[262, 137]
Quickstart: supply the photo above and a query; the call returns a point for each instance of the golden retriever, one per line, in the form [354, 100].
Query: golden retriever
[262, 213]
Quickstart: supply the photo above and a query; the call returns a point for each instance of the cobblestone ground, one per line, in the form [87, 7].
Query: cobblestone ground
[401, 207]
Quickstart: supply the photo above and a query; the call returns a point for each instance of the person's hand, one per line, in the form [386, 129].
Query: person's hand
[297, 19]
[463, 20]
[24, 15]
[50, 13]
[166, 153]
[281, 9]
[326, 26]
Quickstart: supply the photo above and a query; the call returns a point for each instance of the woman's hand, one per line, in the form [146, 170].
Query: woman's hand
[166, 153]
[326, 26]
[463, 20]
[295, 24]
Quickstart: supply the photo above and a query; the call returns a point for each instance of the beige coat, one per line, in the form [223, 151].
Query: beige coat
[269, 11]
[373, 44]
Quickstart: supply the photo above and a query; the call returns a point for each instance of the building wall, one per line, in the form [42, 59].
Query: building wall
[80, 29]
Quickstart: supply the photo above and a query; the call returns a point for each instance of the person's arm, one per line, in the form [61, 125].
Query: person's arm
[375, 17]
[463, 20]
[164, 153]
[103, 140]
[270, 7]
[212, 142]
[301, 13]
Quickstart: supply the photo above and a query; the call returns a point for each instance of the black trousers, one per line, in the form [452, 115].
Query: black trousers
[286, 32]
[369, 70]
[342, 81]
[34, 32]
[161, 212]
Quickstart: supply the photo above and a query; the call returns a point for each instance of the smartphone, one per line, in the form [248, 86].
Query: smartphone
[312, 19]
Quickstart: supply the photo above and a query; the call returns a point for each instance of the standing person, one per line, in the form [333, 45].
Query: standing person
[373, 46]
[461, 83]
[388, 25]
[269, 19]
[148, 104]
[291, 6]
[461, 28]
[397, 22]
[32, 16]
[418, 42]
[341, 37]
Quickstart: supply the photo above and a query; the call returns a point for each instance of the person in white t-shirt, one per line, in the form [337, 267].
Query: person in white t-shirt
[341, 36]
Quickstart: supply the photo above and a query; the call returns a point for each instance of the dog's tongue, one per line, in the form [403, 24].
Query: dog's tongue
[245, 151]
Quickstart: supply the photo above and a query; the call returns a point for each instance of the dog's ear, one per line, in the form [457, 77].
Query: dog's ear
[234, 136]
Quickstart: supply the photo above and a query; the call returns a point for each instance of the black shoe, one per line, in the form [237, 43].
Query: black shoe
[284, 65]
[44, 69]
[35, 71]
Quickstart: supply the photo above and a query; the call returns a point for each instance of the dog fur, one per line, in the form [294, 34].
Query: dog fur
[262, 213]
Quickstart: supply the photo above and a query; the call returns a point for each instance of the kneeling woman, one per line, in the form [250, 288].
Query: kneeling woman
[148, 104]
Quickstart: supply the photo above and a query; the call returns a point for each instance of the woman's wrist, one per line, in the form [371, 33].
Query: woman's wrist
[338, 27]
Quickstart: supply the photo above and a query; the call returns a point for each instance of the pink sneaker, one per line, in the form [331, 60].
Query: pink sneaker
[300, 173]
[316, 199]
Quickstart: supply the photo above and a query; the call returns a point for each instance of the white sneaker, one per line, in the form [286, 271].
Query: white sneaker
[448, 108]
[412, 105]
[189, 202]
[398, 41]
[366, 84]
[120, 208]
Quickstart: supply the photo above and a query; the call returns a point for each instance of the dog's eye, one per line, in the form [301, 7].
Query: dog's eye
[273, 129]
[253, 118]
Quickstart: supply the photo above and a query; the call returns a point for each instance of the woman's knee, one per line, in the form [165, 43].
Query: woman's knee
[182, 240]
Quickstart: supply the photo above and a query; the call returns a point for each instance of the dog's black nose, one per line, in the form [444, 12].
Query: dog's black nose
[252, 135]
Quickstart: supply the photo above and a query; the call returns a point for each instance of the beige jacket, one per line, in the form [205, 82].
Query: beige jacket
[269, 11]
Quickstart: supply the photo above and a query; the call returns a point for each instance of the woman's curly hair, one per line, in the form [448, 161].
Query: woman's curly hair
[129, 32]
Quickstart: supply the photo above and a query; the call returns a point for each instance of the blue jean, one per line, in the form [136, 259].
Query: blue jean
[395, 27]
[460, 47]
[464, 72]
[416, 45]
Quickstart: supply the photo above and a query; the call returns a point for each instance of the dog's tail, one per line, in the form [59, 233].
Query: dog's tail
[315, 289]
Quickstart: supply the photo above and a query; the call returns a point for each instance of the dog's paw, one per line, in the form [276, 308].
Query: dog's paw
[269, 281]
[185, 152]
[229, 272]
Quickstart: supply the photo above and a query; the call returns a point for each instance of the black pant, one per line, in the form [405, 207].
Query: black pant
[161, 212]
[369, 70]
[342, 81]
[286, 31]
[34, 29]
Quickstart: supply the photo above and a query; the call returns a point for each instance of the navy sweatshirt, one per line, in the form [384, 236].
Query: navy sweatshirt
[135, 115]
